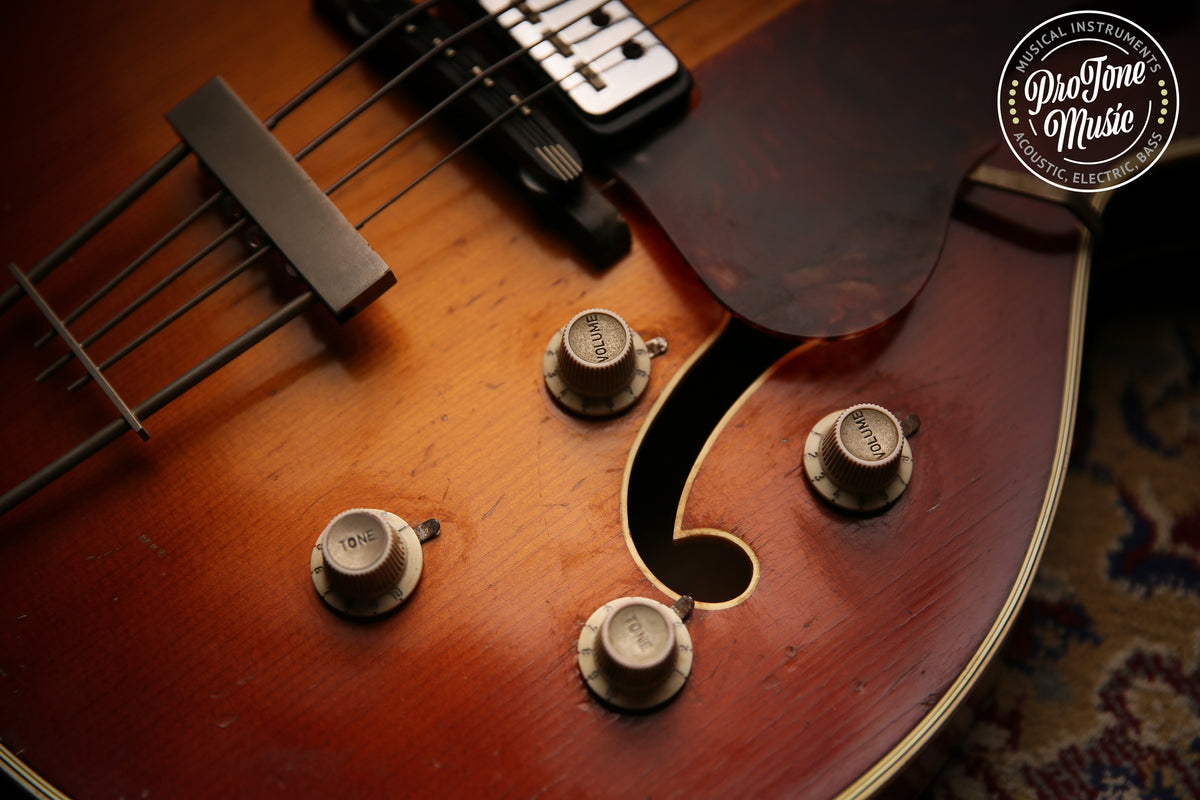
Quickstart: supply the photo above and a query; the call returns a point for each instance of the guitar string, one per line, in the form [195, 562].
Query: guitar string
[322, 138]
[183, 383]
[179, 311]
[157, 327]
[97, 222]
[401, 76]
[156, 402]
[133, 266]
[145, 297]
[349, 59]
[481, 76]
[159, 170]
[522, 103]
[325, 136]
[273, 120]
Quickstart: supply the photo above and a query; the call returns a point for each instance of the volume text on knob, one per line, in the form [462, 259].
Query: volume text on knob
[596, 365]
[858, 458]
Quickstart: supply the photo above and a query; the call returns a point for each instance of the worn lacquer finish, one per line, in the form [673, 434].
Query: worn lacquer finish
[863, 121]
[870, 623]
[159, 631]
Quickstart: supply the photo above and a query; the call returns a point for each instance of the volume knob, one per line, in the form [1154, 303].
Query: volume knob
[859, 458]
[596, 365]
[366, 562]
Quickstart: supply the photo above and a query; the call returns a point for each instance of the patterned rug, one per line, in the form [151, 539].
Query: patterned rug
[1098, 691]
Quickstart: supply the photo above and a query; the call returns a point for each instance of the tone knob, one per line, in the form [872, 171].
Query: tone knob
[859, 458]
[596, 365]
[635, 653]
[366, 562]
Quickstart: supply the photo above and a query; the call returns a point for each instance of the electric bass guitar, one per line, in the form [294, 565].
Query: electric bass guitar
[699, 442]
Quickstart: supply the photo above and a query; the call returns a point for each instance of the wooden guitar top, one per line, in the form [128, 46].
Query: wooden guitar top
[871, 627]
[159, 630]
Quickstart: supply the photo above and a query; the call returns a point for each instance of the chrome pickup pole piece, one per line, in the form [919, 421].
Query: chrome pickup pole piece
[614, 74]
[602, 57]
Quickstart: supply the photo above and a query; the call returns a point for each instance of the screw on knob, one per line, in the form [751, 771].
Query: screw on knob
[596, 365]
[366, 562]
[635, 653]
[858, 458]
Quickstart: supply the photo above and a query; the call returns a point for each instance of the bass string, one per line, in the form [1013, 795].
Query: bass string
[326, 136]
[241, 224]
[401, 76]
[160, 169]
[478, 77]
[156, 402]
[146, 296]
[132, 267]
[351, 58]
[513, 108]
[225, 354]
[178, 312]
[273, 120]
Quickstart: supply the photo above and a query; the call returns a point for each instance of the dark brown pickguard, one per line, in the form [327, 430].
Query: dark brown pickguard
[811, 186]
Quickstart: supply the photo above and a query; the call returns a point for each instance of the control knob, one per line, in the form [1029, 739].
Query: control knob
[859, 459]
[596, 365]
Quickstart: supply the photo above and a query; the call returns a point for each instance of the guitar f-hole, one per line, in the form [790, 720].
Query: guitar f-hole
[709, 565]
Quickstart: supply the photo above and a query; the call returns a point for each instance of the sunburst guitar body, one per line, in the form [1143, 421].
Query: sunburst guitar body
[161, 631]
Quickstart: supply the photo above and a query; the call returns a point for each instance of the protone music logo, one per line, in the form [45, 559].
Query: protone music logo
[1088, 101]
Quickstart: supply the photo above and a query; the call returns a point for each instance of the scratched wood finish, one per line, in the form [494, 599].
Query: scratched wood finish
[773, 224]
[158, 630]
[859, 627]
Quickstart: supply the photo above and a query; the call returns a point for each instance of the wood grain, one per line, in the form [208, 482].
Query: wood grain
[860, 628]
[159, 634]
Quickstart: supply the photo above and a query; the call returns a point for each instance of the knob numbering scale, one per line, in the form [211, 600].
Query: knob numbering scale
[634, 653]
[366, 562]
[596, 365]
[859, 459]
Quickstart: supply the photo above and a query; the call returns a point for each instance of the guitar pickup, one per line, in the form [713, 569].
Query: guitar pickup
[516, 139]
[615, 78]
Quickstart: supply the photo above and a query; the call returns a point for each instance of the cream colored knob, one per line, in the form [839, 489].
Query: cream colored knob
[637, 644]
[859, 458]
[635, 653]
[366, 562]
[364, 556]
[596, 365]
[595, 354]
